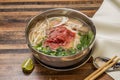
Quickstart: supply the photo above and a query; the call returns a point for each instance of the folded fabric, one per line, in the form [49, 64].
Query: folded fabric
[107, 22]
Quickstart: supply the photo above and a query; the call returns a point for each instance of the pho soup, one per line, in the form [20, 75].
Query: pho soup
[60, 36]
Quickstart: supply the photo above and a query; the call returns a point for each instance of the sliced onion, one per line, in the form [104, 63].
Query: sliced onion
[64, 20]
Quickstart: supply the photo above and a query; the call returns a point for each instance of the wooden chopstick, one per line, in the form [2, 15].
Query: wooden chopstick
[102, 69]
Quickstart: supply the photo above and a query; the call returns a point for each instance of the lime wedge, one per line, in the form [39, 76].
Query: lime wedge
[28, 65]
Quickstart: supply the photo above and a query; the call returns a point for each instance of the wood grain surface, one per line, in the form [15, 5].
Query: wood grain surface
[14, 16]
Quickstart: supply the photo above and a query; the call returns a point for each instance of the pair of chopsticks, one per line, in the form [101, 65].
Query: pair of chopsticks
[102, 69]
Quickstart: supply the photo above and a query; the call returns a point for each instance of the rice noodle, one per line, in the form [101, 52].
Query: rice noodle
[38, 33]
[48, 24]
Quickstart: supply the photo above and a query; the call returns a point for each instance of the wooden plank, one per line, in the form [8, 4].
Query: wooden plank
[14, 51]
[52, 2]
[19, 13]
[42, 9]
[9, 56]
[43, 0]
[50, 77]
[50, 6]
[4, 35]
[13, 46]
[12, 26]
[12, 41]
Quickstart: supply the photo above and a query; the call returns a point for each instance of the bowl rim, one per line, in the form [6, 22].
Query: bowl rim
[53, 9]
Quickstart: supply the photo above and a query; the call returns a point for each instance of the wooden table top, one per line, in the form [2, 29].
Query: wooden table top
[14, 16]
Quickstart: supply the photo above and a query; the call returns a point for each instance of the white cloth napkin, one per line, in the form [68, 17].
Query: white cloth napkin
[107, 22]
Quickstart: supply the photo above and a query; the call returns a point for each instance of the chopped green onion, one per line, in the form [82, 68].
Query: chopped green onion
[71, 51]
